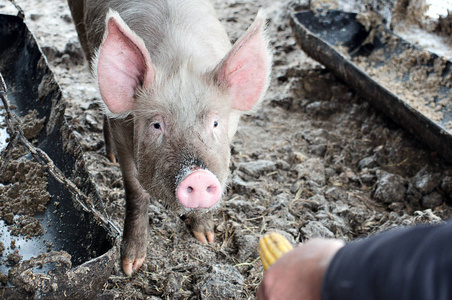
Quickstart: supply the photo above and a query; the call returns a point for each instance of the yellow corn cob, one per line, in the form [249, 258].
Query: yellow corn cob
[271, 247]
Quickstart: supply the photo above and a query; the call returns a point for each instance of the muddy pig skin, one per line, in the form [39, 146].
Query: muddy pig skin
[174, 88]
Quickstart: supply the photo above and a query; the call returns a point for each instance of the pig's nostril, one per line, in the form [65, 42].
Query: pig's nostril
[189, 189]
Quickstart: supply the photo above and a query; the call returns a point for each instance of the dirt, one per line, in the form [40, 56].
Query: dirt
[414, 75]
[22, 276]
[410, 21]
[421, 89]
[315, 160]
[31, 125]
[25, 190]
[13, 258]
[23, 185]
[444, 26]
[410, 12]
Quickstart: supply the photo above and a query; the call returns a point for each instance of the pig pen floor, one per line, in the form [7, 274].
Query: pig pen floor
[315, 160]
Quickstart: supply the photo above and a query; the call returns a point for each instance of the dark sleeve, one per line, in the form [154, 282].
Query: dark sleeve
[411, 263]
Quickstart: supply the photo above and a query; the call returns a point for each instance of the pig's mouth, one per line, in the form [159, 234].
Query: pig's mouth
[198, 189]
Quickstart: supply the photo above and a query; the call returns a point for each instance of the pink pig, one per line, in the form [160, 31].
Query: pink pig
[174, 89]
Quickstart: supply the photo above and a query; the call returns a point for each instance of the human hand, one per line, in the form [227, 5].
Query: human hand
[299, 273]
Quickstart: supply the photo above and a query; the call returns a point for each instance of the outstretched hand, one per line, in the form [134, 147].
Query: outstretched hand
[299, 273]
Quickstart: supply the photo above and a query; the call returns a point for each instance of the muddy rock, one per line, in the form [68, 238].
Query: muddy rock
[426, 217]
[426, 181]
[315, 229]
[241, 182]
[282, 164]
[32, 125]
[390, 188]
[287, 223]
[13, 259]
[446, 185]
[444, 26]
[246, 245]
[173, 284]
[219, 282]
[27, 226]
[414, 196]
[367, 176]
[367, 162]
[318, 149]
[312, 169]
[242, 205]
[257, 168]
[8, 217]
[3, 279]
[432, 200]
[72, 54]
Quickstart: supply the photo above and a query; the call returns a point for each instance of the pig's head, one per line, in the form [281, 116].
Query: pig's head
[183, 119]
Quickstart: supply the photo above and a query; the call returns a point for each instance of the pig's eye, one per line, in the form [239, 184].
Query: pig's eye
[157, 125]
[215, 124]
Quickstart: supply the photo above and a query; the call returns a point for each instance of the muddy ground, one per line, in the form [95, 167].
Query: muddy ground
[315, 160]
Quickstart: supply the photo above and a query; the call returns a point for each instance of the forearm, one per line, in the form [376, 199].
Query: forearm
[412, 263]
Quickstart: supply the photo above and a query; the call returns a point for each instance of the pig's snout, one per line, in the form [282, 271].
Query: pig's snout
[200, 189]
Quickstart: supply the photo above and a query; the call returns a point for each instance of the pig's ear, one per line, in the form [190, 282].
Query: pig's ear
[245, 71]
[123, 65]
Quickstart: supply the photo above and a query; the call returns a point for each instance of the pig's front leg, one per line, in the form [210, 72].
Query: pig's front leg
[202, 227]
[108, 141]
[135, 235]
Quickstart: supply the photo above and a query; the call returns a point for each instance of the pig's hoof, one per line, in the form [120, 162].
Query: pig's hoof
[204, 237]
[129, 265]
[111, 157]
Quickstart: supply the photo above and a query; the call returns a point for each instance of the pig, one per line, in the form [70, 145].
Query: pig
[173, 89]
